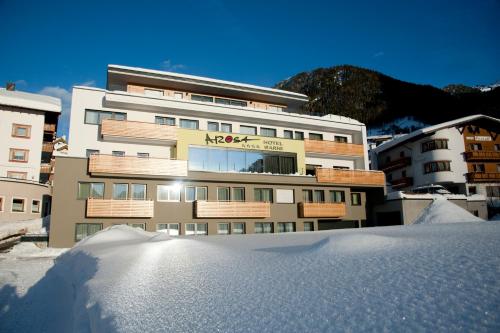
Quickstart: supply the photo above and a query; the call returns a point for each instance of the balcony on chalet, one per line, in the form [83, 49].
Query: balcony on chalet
[137, 131]
[333, 148]
[46, 168]
[120, 208]
[139, 166]
[232, 209]
[350, 177]
[482, 155]
[322, 209]
[47, 147]
[396, 164]
[483, 177]
[49, 127]
[402, 182]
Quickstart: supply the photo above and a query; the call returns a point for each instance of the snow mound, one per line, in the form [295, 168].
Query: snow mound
[123, 234]
[28, 249]
[443, 211]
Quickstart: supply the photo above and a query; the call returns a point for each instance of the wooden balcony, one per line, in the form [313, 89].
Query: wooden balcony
[402, 182]
[119, 208]
[136, 131]
[322, 209]
[350, 177]
[232, 209]
[45, 168]
[396, 164]
[132, 165]
[483, 177]
[333, 148]
[47, 147]
[482, 155]
[49, 127]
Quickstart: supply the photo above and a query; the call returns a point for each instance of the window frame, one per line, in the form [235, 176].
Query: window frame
[213, 123]
[284, 224]
[226, 124]
[12, 152]
[248, 127]
[196, 188]
[2, 203]
[318, 135]
[91, 184]
[10, 173]
[263, 223]
[127, 192]
[228, 193]
[228, 228]
[195, 121]
[168, 193]
[169, 228]
[113, 115]
[428, 166]
[17, 126]
[196, 233]
[308, 223]
[340, 139]
[333, 196]
[243, 228]
[300, 135]
[39, 209]
[273, 130]
[89, 152]
[290, 132]
[233, 195]
[261, 189]
[87, 234]
[156, 90]
[12, 205]
[356, 194]
[158, 118]
[132, 191]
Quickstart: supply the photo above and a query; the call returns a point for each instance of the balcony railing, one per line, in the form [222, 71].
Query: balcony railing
[333, 148]
[350, 177]
[45, 168]
[482, 155]
[232, 209]
[402, 182]
[323, 209]
[483, 177]
[126, 130]
[49, 127]
[48, 147]
[120, 208]
[396, 164]
[133, 165]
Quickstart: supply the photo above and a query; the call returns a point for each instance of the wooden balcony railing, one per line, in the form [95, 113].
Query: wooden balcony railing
[133, 165]
[333, 148]
[482, 155]
[49, 127]
[119, 208]
[322, 209]
[232, 209]
[137, 131]
[396, 164]
[48, 147]
[45, 168]
[350, 177]
[402, 182]
[483, 177]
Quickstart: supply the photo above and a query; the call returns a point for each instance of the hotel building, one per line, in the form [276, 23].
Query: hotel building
[189, 155]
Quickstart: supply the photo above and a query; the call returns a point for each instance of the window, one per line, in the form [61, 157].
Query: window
[172, 229]
[226, 128]
[315, 136]
[18, 155]
[118, 153]
[271, 132]
[250, 130]
[165, 121]
[35, 206]
[201, 98]
[299, 135]
[17, 174]
[223, 194]
[90, 190]
[168, 193]
[319, 196]
[309, 226]
[21, 131]
[92, 152]
[356, 199]
[193, 193]
[213, 126]
[138, 191]
[275, 108]
[286, 226]
[95, 117]
[196, 229]
[223, 229]
[83, 230]
[238, 194]
[337, 196]
[472, 190]
[120, 191]
[434, 144]
[497, 146]
[339, 138]
[493, 191]
[284, 196]
[307, 195]
[478, 167]
[263, 194]
[153, 92]
[178, 95]
[263, 227]
[137, 225]
[288, 134]
[476, 146]
[233, 102]
[238, 228]
[437, 166]
[188, 123]
[311, 169]
[143, 155]
[17, 205]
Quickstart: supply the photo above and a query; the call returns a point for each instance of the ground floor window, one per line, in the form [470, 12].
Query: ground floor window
[138, 225]
[172, 229]
[196, 229]
[83, 230]
[263, 227]
[308, 226]
[238, 228]
[286, 226]
[223, 228]
[18, 205]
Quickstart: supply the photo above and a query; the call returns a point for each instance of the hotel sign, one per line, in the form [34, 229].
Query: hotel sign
[244, 142]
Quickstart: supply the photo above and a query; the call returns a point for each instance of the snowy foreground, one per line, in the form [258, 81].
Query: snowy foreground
[438, 277]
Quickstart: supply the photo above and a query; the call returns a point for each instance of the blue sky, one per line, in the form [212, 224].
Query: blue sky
[49, 46]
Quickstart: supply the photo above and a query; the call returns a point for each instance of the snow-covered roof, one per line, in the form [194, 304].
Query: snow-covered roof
[427, 130]
[30, 101]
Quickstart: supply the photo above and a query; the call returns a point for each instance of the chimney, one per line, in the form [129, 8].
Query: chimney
[11, 86]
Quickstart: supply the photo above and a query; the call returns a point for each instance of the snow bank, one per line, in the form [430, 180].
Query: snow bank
[431, 278]
[36, 226]
[443, 211]
[30, 250]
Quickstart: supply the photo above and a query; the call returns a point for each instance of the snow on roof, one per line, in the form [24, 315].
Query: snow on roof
[29, 101]
[404, 138]
[443, 211]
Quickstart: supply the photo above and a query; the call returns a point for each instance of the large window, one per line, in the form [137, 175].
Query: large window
[83, 230]
[263, 227]
[238, 194]
[223, 193]
[313, 196]
[263, 194]
[435, 144]
[90, 190]
[168, 193]
[196, 229]
[95, 117]
[196, 193]
[250, 130]
[223, 160]
[18, 205]
[138, 191]
[223, 228]
[171, 229]
[120, 191]
[437, 166]
[271, 132]
[165, 120]
[286, 226]
[189, 123]
[238, 228]
[337, 196]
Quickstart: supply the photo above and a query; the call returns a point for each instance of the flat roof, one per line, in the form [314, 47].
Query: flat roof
[30, 101]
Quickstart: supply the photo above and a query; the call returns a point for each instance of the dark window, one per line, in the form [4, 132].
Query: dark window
[319, 196]
[118, 153]
[92, 152]
[493, 191]
[307, 195]
[315, 136]
[288, 134]
[341, 139]
[83, 230]
[188, 123]
[435, 144]
[263, 194]
[356, 199]
[299, 135]
[476, 146]
[478, 167]
[271, 132]
[437, 166]
[201, 98]
[165, 121]
[401, 154]
[472, 190]
[337, 196]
